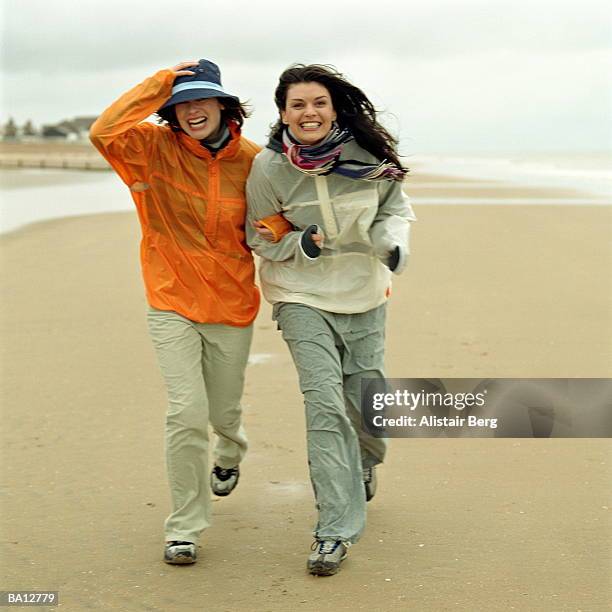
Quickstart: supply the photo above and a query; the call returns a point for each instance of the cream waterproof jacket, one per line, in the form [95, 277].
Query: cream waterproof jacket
[362, 222]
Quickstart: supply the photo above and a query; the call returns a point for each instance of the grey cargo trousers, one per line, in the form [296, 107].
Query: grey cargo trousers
[332, 353]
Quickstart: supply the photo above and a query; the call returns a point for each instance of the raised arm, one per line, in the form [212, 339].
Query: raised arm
[119, 132]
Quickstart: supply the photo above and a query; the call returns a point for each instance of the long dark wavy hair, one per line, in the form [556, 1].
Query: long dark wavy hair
[233, 111]
[353, 108]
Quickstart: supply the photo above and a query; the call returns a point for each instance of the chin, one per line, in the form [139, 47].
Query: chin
[312, 138]
[199, 135]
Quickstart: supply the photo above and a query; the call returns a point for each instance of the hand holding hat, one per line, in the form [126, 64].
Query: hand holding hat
[179, 69]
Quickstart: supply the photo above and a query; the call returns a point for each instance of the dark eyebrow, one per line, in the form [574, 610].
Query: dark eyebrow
[323, 97]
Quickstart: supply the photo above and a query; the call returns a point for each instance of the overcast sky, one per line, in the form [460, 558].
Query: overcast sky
[452, 75]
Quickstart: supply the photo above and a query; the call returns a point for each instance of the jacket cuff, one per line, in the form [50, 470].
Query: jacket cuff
[397, 260]
[309, 249]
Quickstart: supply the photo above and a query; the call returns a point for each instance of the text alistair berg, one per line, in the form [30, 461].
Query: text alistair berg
[412, 401]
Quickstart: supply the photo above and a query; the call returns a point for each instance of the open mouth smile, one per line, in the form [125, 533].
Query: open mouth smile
[197, 123]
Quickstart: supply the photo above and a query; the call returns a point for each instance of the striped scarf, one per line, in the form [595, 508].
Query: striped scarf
[324, 158]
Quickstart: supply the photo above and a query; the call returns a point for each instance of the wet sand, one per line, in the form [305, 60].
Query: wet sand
[457, 524]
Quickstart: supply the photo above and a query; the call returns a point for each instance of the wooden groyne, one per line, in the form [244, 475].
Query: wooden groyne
[51, 155]
[68, 162]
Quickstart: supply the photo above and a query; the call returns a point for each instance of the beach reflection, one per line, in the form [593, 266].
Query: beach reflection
[30, 195]
[37, 194]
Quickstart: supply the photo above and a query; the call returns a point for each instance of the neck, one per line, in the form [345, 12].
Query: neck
[218, 140]
[221, 132]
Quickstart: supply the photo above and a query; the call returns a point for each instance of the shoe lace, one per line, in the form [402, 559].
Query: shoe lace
[367, 475]
[326, 547]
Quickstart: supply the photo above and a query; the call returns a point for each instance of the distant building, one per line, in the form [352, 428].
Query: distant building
[56, 131]
[69, 129]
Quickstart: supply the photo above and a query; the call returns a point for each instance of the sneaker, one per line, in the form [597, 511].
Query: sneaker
[224, 480]
[327, 556]
[369, 482]
[180, 553]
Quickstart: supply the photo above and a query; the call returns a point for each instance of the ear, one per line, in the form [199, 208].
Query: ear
[334, 116]
[283, 115]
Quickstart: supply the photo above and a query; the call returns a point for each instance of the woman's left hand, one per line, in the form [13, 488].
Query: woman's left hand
[317, 239]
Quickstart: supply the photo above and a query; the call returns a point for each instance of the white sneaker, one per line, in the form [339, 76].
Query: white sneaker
[180, 553]
[327, 556]
[224, 480]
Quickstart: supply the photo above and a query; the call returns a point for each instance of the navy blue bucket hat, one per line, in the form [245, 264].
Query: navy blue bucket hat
[205, 83]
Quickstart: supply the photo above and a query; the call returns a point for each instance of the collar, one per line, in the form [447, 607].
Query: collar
[228, 151]
[275, 145]
[220, 141]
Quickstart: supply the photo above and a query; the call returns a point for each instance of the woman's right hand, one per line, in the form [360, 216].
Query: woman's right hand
[263, 231]
[179, 69]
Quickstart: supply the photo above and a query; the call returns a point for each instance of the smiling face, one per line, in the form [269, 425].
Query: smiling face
[308, 112]
[199, 119]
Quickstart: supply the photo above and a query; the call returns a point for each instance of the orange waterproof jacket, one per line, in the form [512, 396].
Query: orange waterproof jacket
[191, 206]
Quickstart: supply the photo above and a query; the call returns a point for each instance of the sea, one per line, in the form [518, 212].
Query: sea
[31, 195]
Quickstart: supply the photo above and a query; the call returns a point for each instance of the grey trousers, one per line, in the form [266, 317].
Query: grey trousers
[332, 353]
[203, 366]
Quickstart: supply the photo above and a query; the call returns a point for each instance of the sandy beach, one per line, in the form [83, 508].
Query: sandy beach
[457, 524]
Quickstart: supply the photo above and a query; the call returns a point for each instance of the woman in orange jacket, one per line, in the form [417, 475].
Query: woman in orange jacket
[187, 178]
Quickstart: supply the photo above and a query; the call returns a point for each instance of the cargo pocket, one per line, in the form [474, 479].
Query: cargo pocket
[365, 342]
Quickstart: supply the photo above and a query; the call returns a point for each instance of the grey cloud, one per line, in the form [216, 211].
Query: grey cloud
[532, 72]
[103, 35]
